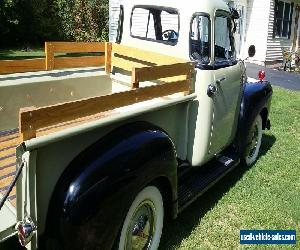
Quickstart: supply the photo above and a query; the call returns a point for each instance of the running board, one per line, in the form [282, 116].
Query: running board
[192, 185]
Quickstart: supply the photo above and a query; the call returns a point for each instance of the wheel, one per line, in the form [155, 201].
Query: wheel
[143, 224]
[254, 141]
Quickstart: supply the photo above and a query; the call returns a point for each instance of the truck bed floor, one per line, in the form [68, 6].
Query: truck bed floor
[8, 141]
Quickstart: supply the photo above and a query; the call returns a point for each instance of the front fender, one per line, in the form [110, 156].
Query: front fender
[93, 195]
[256, 100]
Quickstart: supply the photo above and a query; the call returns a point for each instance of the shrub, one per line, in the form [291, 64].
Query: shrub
[83, 20]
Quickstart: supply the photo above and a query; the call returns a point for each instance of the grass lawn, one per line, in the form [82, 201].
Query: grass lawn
[264, 196]
[18, 54]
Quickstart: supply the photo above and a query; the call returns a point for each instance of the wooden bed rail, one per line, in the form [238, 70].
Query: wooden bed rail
[73, 47]
[33, 119]
[50, 61]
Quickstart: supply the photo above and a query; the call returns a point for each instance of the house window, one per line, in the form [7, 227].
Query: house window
[155, 23]
[283, 19]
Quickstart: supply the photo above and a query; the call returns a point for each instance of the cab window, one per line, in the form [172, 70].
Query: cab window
[155, 24]
[200, 38]
[224, 40]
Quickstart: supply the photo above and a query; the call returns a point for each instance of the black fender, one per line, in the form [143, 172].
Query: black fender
[256, 100]
[93, 195]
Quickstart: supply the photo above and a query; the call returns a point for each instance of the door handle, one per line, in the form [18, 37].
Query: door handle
[220, 80]
[211, 90]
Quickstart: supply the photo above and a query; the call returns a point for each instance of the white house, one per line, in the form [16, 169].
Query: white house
[271, 25]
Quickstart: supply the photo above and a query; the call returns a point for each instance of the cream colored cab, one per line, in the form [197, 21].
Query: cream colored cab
[201, 32]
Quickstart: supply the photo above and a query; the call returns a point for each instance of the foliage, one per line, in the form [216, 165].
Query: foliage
[83, 20]
[29, 23]
[26, 22]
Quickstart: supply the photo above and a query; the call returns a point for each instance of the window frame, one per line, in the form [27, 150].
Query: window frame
[199, 64]
[282, 19]
[224, 63]
[162, 8]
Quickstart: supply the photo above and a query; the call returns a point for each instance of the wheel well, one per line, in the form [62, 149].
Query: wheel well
[165, 187]
[264, 117]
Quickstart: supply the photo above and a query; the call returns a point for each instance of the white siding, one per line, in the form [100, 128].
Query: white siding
[275, 46]
[257, 29]
[114, 11]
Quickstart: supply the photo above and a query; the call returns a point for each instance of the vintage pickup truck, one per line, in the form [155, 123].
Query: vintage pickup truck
[102, 157]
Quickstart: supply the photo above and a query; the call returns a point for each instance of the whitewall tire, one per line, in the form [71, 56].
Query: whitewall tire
[143, 224]
[254, 141]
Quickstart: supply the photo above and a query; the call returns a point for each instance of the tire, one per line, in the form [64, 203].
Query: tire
[143, 224]
[254, 141]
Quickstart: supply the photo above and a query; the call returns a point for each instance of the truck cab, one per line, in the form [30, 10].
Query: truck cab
[203, 34]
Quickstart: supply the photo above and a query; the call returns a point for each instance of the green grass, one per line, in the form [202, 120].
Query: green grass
[264, 196]
[18, 54]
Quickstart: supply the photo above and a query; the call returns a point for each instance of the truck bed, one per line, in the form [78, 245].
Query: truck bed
[38, 104]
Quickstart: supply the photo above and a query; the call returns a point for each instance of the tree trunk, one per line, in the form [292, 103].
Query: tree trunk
[297, 8]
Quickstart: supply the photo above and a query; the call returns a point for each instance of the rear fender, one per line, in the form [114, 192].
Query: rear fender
[94, 193]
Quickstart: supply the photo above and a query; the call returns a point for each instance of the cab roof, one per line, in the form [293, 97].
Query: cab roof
[187, 6]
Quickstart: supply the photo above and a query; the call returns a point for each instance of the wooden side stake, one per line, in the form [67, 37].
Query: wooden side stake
[26, 129]
[49, 56]
[108, 57]
[134, 79]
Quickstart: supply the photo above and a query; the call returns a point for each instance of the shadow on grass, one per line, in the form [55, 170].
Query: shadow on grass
[176, 230]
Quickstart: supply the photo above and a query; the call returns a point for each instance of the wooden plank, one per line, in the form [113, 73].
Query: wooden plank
[49, 56]
[143, 55]
[76, 62]
[9, 143]
[36, 118]
[125, 64]
[108, 52]
[5, 182]
[77, 47]
[7, 161]
[8, 137]
[13, 202]
[13, 191]
[74, 123]
[18, 66]
[162, 71]
[10, 151]
[8, 170]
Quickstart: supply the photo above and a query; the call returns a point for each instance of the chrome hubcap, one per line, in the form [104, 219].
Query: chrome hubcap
[142, 227]
[254, 140]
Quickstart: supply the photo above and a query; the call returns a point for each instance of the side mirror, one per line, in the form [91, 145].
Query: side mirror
[251, 51]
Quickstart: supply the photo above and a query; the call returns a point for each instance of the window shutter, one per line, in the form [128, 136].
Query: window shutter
[275, 17]
[291, 20]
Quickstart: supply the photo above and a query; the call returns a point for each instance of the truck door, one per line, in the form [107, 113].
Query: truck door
[227, 80]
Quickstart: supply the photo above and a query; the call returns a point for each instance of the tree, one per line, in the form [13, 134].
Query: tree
[83, 20]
